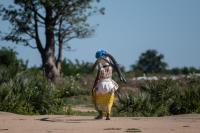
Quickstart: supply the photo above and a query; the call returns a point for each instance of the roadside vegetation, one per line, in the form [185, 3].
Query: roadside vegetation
[25, 90]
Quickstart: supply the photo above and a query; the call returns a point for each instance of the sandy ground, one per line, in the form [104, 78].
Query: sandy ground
[12, 123]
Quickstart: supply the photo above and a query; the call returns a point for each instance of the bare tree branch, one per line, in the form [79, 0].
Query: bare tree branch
[32, 8]
[30, 34]
[31, 46]
[69, 38]
[37, 38]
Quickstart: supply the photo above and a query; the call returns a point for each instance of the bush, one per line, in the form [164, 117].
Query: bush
[159, 98]
[132, 104]
[29, 93]
[69, 68]
[9, 64]
[71, 87]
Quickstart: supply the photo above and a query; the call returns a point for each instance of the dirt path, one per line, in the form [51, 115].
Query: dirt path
[12, 123]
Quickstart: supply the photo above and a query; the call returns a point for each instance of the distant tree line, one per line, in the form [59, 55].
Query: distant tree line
[149, 62]
[153, 62]
[10, 65]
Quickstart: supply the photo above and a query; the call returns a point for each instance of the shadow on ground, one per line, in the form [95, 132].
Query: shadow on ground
[65, 120]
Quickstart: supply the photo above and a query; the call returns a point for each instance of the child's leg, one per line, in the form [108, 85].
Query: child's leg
[107, 116]
[100, 116]
[109, 107]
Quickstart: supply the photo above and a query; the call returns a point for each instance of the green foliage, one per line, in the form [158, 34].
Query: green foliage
[59, 20]
[71, 87]
[79, 100]
[69, 110]
[9, 64]
[150, 62]
[184, 70]
[66, 18]
[132, 104]
[26, 91]
[29, 93]
[70, 68]
[159, 98]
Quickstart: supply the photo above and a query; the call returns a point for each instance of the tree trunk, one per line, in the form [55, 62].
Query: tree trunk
[51, 71]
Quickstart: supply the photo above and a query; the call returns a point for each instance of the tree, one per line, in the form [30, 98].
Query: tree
[57, 21]
[150, 62]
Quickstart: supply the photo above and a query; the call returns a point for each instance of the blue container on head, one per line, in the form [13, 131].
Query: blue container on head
[100, 53]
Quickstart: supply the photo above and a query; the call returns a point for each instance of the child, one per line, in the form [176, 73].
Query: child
[104, 87]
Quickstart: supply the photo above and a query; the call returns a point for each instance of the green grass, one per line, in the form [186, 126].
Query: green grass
[78, 100]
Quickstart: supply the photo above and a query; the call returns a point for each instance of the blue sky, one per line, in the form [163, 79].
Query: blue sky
[130, 27]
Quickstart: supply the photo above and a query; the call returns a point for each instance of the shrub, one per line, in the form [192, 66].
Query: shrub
[29, 93]
[69, 68]
[9, 64]
[163, 97]
[133, 104]
[70, 86]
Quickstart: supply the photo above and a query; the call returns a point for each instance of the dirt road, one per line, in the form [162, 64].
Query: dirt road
[12, 123]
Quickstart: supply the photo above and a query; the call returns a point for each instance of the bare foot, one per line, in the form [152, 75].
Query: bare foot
[107, 118]
[99, 117]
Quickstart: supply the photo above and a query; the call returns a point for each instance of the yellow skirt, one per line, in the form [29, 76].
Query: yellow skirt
[103, 102]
